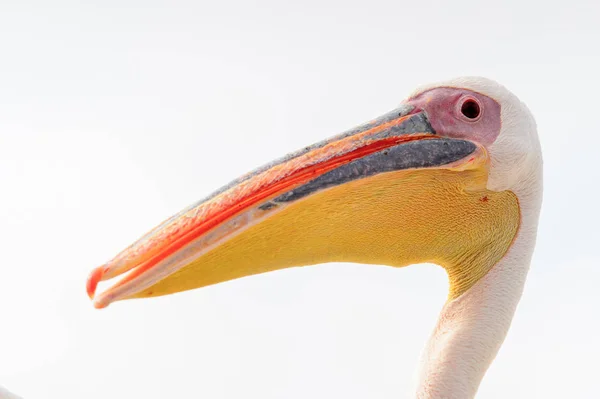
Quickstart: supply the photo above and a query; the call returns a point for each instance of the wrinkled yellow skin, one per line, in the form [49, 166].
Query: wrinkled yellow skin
[439, 216]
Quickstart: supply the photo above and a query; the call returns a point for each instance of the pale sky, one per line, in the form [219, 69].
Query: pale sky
[115, 115]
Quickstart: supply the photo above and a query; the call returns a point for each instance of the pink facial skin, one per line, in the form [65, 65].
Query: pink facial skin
[460, 113]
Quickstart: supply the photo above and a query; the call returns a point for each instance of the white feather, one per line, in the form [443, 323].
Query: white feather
[471, 328]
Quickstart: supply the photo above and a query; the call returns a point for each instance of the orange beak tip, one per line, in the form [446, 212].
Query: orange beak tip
[99, 304]
[93, 279]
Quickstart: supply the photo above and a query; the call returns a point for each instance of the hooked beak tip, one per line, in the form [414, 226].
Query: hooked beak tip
[93, 279]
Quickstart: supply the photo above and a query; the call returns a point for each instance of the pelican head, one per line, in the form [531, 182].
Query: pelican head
[452, 176]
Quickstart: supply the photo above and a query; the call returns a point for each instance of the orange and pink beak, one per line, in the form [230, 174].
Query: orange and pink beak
[402, 139]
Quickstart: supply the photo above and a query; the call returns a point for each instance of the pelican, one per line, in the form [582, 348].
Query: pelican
[452, 176]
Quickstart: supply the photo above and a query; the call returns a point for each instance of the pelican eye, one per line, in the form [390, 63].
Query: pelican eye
[471, 109]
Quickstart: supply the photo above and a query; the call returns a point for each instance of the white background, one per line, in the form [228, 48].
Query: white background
[116, 114]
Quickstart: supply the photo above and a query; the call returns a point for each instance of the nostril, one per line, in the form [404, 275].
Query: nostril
[429, 127]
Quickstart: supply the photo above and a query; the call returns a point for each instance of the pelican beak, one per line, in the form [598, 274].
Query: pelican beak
[388, 192]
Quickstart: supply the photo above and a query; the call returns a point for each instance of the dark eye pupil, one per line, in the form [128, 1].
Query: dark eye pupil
[470, 109]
